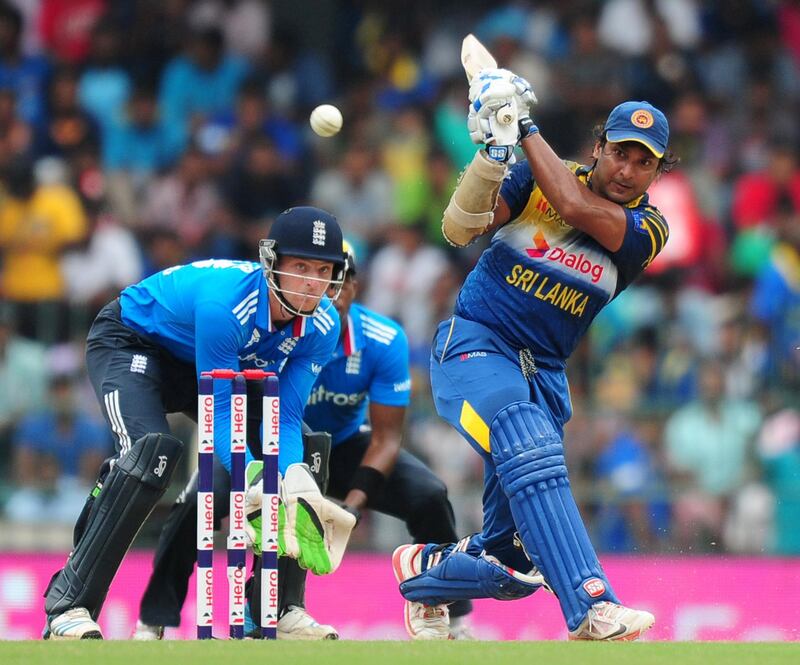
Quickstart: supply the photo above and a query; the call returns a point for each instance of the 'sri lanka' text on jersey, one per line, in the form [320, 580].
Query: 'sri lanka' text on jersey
[215, 314]
[370, 364]
[541, 282]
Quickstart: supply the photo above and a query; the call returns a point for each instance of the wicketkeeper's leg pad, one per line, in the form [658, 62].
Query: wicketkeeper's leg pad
[461, 576]
[529, 458]
[129, 493]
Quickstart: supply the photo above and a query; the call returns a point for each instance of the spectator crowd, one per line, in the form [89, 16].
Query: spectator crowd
[140, 134]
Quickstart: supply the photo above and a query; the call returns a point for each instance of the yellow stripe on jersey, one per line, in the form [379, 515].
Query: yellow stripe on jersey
[787, 263]
[662, 224]
[654, 250]
[474, 425]
[658, 228]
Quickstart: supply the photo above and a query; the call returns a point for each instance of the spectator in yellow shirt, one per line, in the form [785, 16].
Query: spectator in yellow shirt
[37, 223]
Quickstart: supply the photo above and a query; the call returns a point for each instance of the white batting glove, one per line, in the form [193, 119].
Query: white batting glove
[489, 94]
[484, 130]
[491, 91]
[525, 100]
[486, 83]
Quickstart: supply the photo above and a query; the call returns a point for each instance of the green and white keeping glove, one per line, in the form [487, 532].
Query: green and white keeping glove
[311, 529]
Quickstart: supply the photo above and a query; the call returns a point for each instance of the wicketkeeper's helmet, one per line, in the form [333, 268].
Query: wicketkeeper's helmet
[308, 233]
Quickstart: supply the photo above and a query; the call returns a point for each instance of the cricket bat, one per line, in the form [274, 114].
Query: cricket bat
[475, 57]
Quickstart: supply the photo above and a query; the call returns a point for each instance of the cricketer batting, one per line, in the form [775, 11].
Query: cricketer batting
[567, 240]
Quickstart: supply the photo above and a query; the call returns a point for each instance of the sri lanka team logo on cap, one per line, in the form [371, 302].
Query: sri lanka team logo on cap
[642, 118]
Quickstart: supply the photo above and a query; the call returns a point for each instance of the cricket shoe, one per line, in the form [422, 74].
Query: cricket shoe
[423, 622]
[74, 624]
[146, 633]
[297, 624]
[609, 621]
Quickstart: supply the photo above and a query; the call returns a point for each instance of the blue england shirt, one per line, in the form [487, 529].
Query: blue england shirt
[541, 282]
[215, 314]
[370, 364]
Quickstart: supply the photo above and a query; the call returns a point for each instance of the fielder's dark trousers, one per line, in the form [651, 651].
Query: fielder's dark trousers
[412, 493]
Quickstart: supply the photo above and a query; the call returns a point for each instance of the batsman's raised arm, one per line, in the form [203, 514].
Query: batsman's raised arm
[629, 153]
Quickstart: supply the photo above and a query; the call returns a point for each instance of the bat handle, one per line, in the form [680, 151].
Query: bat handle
[506, 115]
[504, 124]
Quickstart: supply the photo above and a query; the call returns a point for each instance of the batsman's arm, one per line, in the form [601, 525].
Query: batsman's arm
[508, 201]
[577, 205]
[381, 454]
[471, 210]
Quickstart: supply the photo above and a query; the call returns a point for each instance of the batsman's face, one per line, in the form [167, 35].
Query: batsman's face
[623, 171]
[304, 281]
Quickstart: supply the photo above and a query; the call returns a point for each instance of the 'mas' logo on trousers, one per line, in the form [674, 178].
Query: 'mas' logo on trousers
[472, 354]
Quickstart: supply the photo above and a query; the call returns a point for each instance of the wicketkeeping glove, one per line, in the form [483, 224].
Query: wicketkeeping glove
[311, 529]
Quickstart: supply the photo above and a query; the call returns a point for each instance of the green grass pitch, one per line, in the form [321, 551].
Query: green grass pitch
[396, 653]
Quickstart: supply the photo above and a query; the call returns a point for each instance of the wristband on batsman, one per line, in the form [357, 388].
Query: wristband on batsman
[369, 480]
[526, 127]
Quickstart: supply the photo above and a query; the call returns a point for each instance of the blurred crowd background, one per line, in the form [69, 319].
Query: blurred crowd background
[140, 134]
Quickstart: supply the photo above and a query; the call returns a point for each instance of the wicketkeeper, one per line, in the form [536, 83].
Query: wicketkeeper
[145, 352]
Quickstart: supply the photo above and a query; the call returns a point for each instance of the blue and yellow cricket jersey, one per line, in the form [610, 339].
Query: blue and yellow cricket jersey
[541, 282]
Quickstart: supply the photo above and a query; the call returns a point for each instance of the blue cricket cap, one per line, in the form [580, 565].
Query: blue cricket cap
[641, 122]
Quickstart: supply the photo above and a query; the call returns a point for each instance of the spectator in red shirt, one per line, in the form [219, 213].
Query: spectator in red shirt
[66, 27]
[756, 195]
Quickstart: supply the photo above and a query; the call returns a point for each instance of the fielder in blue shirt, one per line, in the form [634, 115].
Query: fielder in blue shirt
[145, 352]
[360, 398]
[567, 240]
